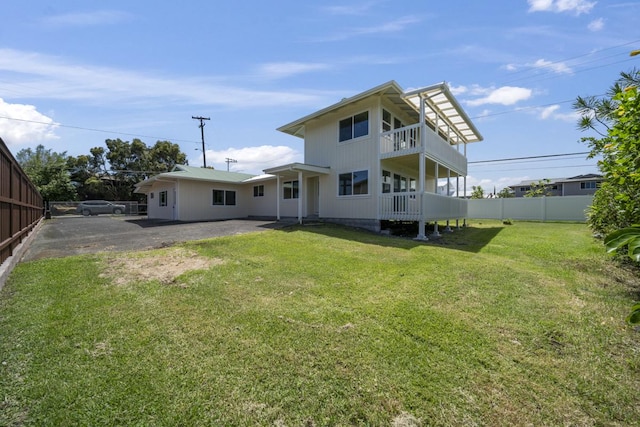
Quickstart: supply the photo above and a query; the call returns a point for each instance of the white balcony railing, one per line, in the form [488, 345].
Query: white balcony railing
[425, 206]
[406, 140]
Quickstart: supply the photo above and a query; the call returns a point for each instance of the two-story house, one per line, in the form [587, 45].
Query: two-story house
[373, 157]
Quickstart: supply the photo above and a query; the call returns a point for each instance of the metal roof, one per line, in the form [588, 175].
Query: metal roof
[452, 120]
[195, 174]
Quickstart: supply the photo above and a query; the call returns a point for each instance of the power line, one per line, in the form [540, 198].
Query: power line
[56, 124]
[529, 157]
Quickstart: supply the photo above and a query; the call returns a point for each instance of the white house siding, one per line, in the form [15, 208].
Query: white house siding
[154, 210]
[264, 206]
[196, 201]
[322, 148]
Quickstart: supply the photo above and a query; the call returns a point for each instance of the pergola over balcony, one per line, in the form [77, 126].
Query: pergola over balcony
[443, 112]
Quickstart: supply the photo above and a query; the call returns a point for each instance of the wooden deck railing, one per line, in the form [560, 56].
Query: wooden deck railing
[406, 140]
[21, 205]
[426, 206]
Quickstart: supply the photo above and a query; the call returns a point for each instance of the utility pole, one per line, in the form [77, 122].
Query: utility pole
[202, 119]
[228, 160]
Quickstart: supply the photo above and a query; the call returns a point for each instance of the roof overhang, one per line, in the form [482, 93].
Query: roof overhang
[296, 128]
[298, 167]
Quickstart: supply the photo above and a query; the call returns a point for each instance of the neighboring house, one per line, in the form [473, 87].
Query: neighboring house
[579, 185]
[373, 157]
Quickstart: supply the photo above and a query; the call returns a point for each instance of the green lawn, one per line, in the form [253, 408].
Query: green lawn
[322, 325]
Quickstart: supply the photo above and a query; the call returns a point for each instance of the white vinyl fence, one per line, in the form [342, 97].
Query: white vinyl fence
[560, 208]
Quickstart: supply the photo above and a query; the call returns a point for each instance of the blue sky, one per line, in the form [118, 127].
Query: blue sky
[74, 73]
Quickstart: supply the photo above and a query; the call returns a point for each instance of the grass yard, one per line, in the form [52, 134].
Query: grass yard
[322, 325]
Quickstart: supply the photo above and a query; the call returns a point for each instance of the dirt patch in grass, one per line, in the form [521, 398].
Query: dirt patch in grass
[164, 266]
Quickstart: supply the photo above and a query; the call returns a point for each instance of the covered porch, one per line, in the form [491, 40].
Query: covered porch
[298, 189]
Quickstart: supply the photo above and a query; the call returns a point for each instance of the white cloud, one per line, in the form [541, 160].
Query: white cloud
[596, 25]
[505, 95]
[394, 26]
[458, 90]
[359, 9]
[551, 113]
[86, 19]
[559, 6]
[556, 67]
[279, 70]
[52, 77]
[252, 159]
[22, 123]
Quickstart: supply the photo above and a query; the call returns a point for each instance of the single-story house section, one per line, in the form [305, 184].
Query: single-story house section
[382, 155]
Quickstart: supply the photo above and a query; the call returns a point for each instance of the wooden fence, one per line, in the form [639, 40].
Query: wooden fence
[21, 205]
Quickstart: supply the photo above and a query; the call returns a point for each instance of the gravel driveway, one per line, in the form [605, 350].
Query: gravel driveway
[73, 235]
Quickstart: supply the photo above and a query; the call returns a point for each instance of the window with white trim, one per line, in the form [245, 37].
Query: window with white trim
[386, 181]
[162, 198]
[353, 127]
[588, 185]
[290, 189]
[258, 191]
[224, 198]
[353, 183]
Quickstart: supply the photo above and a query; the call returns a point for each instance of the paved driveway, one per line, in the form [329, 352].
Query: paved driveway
[73, 235]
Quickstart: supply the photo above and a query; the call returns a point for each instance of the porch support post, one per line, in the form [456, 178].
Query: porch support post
[458, 194]
[448, 228]
[464, 220]
[278, 197]
[300, 193]
[421, 171]
[435, 233]
[464, 191]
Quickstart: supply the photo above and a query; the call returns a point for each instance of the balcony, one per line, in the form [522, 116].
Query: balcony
[406, 141]
[416, 207]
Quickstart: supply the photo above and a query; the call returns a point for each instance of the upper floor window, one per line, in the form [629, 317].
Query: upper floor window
[354, 127]
[353, 183]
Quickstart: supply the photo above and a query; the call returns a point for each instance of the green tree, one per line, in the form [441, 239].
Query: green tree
[477, 192]
[616, 118]
[48, 172]
[111, 173]
[85, 174]
[539, 189]
[505, 193]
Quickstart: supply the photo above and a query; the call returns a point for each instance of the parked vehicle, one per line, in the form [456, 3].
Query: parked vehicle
[95, 207]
